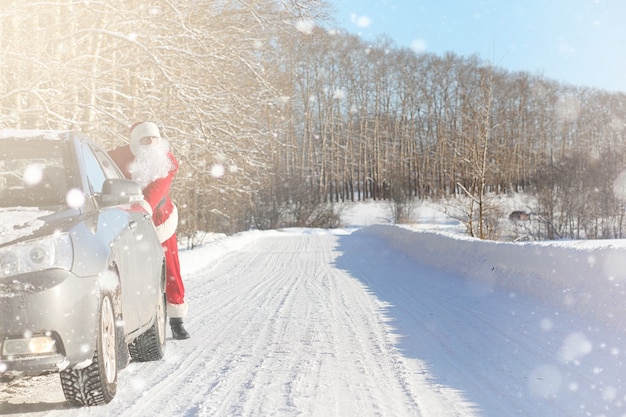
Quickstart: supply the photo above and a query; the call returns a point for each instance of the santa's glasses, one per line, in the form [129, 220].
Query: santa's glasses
[148, 140]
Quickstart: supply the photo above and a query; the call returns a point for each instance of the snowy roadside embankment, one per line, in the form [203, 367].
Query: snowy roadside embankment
[585, 277]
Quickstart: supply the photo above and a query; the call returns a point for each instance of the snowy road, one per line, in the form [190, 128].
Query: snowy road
[314, 323]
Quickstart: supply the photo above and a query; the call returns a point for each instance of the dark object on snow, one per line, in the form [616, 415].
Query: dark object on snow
[178, 331]
[519, 215]
[82, 281]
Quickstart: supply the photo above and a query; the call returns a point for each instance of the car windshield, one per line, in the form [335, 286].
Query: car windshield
[33, 173]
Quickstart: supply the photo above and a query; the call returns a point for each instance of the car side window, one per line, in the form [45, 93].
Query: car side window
[95, 173]
[108, 166]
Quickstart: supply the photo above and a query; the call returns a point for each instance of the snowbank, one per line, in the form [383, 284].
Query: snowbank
[586, 277]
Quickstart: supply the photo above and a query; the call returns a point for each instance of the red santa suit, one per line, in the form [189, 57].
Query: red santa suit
[165, 217]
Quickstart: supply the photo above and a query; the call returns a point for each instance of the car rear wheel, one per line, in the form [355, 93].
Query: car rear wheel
[96, 384]
[150, 346]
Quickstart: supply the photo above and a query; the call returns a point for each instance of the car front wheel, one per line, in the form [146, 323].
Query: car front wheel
[96, 384]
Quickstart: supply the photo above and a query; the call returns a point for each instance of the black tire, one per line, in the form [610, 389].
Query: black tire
[96, 384]
[150, 346]
[123, 356]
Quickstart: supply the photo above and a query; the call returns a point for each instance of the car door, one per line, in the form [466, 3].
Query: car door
[135, 257]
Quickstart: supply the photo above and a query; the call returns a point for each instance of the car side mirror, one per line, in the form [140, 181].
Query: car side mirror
[116, 191]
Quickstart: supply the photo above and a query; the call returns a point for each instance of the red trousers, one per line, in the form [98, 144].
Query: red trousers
[175, 289]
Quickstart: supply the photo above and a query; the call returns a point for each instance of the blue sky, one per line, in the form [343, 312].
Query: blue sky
[579, 42]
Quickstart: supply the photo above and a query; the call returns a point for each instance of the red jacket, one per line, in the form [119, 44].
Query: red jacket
[164, 212]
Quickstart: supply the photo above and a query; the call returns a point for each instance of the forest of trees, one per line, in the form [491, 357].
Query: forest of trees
[275, 116]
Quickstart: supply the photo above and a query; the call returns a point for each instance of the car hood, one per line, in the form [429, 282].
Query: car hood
[20, 223]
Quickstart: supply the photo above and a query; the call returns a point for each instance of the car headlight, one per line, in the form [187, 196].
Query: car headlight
[37, 255]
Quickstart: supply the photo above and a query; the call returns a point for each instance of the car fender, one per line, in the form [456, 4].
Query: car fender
[91, 241]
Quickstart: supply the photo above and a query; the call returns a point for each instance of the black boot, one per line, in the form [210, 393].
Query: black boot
[178, 331]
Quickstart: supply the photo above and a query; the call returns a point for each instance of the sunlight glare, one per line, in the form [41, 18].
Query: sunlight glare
[217, 171]
[575, 346]
[75, 198]
[361, 21]
[33, 174]
[418, 46]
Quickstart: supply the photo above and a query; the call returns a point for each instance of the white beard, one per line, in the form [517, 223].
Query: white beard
[151, 163]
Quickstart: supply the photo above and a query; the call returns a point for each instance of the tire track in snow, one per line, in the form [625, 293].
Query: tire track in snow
[303, 335]
[287, 333]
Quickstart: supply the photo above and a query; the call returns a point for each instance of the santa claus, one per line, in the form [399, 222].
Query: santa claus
[148, 161]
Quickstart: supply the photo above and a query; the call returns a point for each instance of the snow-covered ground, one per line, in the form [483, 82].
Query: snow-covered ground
[381, 320]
